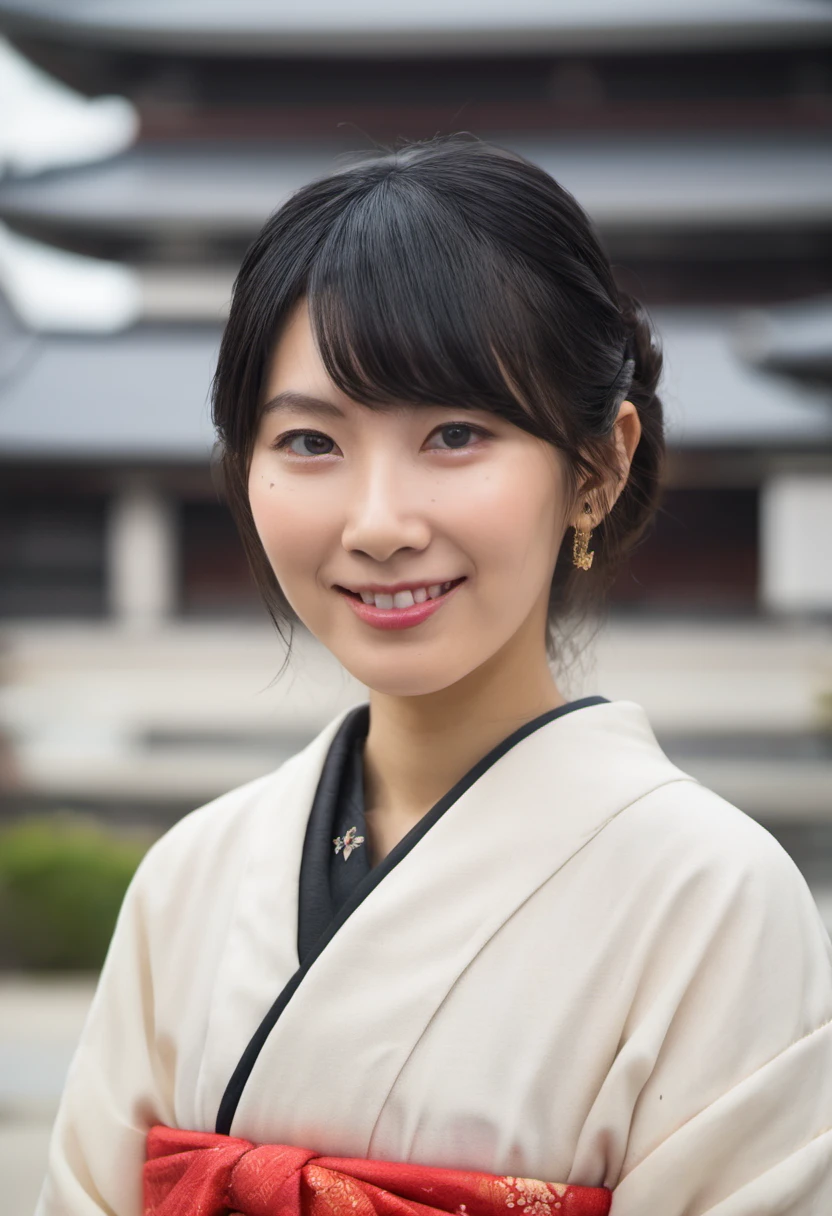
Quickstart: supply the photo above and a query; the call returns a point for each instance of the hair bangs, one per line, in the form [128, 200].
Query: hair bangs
[410, 306]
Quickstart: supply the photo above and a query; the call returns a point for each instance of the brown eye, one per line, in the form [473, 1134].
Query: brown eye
[457, 435]
[306, 443]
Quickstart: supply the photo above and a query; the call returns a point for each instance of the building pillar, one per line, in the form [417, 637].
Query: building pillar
[796, 543]
[142, 556]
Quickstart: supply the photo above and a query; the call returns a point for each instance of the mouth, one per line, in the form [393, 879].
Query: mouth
[402, 609]
[406, 598]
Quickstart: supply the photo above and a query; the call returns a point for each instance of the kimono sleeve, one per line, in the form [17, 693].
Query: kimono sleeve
[118, 1084]
[734, 1108]
[140, 1054]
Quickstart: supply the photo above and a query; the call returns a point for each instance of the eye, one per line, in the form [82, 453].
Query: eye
[457, 435]
[305, 443]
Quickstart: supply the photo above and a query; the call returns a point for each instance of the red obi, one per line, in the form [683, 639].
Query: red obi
[201, 1172]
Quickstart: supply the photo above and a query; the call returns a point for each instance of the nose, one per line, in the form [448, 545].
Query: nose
[385, 510]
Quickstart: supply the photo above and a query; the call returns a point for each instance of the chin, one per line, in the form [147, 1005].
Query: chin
[403, 679]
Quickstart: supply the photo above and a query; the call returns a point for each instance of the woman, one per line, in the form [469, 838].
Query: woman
[474, 930]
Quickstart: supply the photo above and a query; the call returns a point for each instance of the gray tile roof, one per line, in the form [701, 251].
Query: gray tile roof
[142, 395]
[795, 338]
[627, 182]
[416, 26]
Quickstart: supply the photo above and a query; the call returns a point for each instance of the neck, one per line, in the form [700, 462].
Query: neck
[418, 747]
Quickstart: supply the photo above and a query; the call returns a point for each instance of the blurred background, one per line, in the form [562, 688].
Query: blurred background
[142, 145]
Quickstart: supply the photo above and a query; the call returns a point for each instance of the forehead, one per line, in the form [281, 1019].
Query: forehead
[297, 381]
[295, 356]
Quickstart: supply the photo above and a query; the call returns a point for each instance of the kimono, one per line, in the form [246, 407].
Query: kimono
[581, 966]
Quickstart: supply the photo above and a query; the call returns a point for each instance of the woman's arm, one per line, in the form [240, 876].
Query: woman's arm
[735, 1115]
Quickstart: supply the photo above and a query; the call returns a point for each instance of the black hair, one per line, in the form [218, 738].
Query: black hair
[453, 272]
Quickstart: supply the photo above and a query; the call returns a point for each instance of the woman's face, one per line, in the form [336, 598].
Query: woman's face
[399, 503]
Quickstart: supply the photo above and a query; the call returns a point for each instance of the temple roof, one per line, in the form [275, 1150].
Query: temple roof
[259, 27]
[135, 396]
[793, 339]
[214, 195]
[142, 395]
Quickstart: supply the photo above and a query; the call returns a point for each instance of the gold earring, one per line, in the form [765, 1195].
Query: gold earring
[581, 556]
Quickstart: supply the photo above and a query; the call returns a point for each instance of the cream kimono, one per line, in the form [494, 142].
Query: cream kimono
[590, 969]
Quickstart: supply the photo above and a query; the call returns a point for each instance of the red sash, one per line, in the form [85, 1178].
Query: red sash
[200, 1172]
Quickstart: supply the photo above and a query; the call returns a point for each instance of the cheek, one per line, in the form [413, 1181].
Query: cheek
[510, 516]
[293, 525]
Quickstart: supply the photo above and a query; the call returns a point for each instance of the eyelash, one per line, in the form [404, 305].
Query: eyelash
[283, 442]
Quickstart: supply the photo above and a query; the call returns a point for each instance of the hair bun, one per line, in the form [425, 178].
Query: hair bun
[644, 347]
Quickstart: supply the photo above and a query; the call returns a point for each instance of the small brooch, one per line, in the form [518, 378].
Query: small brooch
[349, 842]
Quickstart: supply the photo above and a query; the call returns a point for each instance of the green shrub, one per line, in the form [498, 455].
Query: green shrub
[62, 880]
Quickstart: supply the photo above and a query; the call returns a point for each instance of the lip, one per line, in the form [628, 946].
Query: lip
[398, 618]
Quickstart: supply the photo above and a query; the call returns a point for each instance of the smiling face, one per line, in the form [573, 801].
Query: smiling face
[400, 501]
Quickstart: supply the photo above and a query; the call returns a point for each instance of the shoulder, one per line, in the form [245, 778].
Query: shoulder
[202, 858]
[215, 825]
[217, 836]
[693, 872]
[685, 827]
[679, 827]
[713, 884]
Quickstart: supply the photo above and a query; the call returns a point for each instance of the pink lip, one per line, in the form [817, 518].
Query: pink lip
[397, 618]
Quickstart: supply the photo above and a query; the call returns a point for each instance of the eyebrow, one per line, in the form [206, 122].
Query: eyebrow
[290, 400]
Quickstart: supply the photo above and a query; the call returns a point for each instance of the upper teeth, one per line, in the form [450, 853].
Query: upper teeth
[405, 599]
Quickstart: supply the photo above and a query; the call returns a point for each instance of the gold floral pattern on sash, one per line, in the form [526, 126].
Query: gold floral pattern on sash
[528, 1196]
[334, 1193]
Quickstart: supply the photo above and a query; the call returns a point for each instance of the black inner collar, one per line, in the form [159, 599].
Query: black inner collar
[327, 878]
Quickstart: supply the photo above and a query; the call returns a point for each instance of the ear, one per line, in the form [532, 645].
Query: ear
[627, 433]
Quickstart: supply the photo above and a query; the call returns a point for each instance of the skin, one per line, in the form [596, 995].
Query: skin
[387, 496]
